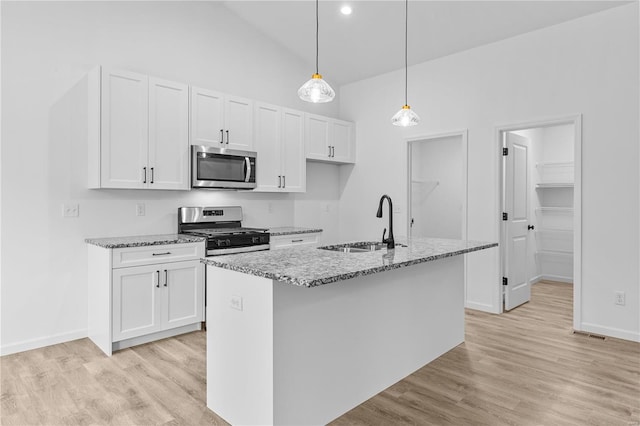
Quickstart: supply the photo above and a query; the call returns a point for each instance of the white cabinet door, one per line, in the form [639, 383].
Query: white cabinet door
[168, 135]
[317, 137]
[268, 146]
[341, 141]
[124, 130]
[183, 301]
[238, 118]
[136, 310]
[207, 117]
[294, 164]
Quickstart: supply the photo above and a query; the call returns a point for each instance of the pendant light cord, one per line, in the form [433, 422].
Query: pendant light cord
[406, 37]
[317, 32]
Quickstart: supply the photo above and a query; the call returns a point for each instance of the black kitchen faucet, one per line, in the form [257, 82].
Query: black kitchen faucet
[389, 241]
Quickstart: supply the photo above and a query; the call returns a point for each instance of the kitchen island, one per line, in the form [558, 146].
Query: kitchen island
[301, 336]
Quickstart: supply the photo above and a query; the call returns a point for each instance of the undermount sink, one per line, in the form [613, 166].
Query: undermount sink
[359, 247]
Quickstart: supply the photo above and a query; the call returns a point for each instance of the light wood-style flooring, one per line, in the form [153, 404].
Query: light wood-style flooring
[524, 367]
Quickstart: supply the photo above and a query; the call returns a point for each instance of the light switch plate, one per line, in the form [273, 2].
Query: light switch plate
[140, 209]
[236, 302]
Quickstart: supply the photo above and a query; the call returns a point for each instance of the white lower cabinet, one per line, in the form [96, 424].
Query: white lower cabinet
[152, 298]
[295, 240]
[137, 304]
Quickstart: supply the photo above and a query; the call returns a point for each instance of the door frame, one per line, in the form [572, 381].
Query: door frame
[576, 121]
[463, 134]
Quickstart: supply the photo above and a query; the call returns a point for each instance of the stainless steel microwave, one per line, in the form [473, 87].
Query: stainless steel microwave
[222, 168]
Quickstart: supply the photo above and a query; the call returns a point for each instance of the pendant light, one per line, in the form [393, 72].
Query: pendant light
[405, 117]
[316, 90]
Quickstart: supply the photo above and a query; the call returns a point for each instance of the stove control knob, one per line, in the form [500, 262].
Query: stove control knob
[255, 240]
[222, 243]
[264, 239]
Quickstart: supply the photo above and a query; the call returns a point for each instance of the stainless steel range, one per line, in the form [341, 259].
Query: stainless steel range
[222, 226]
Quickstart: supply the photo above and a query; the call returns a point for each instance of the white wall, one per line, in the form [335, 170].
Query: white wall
[437, 187]
[49, 46]
[587, 66]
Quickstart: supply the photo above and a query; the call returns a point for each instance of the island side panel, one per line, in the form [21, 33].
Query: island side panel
[339, 344]
[239, 346]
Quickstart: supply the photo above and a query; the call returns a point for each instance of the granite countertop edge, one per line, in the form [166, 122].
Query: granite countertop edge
[143, 240]
[292, 230]
[341, 277]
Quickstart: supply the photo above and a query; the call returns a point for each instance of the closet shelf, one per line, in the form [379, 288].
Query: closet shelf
[554, 185]
[554, 253]
[564, 210]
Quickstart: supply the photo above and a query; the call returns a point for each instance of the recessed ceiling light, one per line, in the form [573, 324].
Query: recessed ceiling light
[346, 10]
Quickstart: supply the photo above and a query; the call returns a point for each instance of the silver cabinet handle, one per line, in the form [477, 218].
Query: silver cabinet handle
[166, 278]
[221, 135]
[144, 169]
[284, 181]
[333, 151]
[152, 175]
[227, 137]
[247, 164]
[158, 282]
[161, 254]
[279, 181]
[297, 241]
[329, 150]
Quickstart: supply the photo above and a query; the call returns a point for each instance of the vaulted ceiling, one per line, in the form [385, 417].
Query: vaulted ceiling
[370, 41]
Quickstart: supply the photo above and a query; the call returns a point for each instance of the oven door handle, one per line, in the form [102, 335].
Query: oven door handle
[247, 166]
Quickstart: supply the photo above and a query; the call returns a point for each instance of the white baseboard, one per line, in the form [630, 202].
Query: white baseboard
[618, 333]
[535, 279]
[480, 307]
[27, 345]
[116, 346]
[558, 278]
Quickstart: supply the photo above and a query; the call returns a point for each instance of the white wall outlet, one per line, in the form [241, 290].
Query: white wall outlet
[70, 210]
[620, 298]
[140, 209]
[270, 207]
[327, 207]
[236, 302]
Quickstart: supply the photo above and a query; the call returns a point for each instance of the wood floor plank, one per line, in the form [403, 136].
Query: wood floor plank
[524, 367]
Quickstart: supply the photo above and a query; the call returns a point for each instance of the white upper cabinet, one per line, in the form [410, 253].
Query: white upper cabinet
[168, 134]
[207, 117]
[329, 139]
[124, 129]
[221, 120]
[144, 134]
[279, 142]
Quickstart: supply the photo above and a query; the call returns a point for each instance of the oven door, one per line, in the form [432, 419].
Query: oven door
[221, 168]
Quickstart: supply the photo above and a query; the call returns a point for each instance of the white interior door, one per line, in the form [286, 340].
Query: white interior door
[517, 289]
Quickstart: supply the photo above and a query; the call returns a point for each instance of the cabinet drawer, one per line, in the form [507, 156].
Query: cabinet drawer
[135, 256]
[294, 240]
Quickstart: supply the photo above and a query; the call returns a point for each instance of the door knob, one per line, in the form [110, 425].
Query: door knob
[530, 227]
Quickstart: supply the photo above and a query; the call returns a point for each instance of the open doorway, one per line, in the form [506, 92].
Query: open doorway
[540, 207]
[437, 186]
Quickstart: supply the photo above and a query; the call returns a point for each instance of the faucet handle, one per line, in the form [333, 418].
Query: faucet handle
[383, 234]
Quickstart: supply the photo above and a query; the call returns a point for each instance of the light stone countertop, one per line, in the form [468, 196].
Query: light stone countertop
[311, 267]
[292, 230]
[143, 240]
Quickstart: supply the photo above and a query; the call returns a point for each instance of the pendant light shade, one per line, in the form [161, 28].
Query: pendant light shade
[316, 90]
[405, 117]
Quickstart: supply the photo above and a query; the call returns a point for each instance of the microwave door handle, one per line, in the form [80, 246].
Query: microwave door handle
[247, 165]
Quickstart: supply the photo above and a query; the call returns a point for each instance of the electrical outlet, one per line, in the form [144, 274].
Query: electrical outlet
[620, 298]
[70, 210]
[270, 207]
[140, 209]
[236, 302]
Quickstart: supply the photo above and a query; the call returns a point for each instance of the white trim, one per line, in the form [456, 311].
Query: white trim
[576, 121]
[41, 342]
[463, 133]
[618, 333]
[536, 279]
[557, 278]
[483, 307]
[127, 343]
